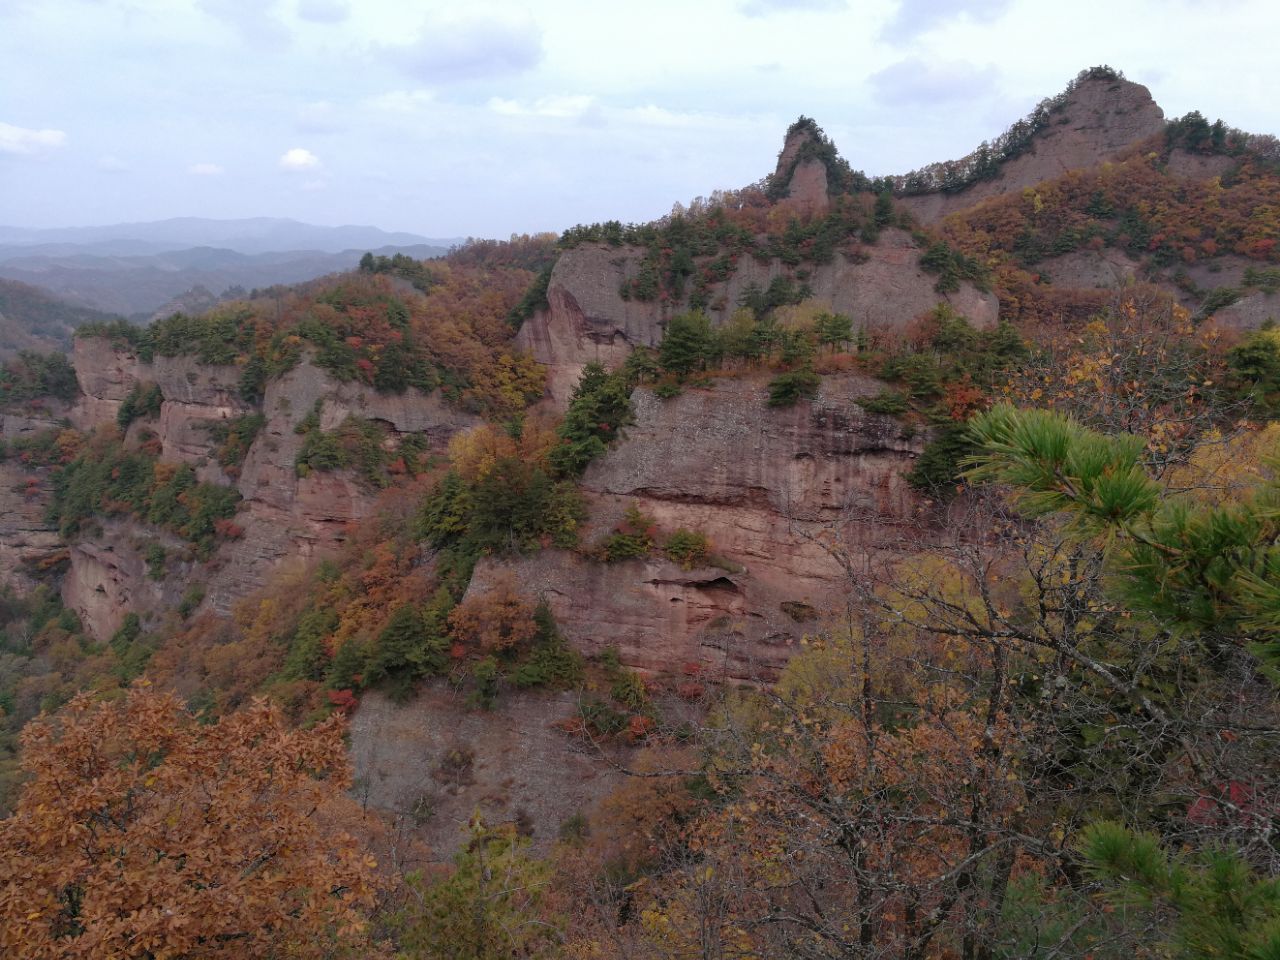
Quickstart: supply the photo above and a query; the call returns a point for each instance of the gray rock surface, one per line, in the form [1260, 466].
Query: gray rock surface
[588, 320]
[1099, 121]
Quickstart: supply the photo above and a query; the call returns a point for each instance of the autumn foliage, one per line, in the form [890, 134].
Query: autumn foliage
[498, 620]
[144, 833]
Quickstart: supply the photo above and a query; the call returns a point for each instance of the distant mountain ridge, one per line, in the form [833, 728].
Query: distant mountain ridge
[137, 285]
[250, 236]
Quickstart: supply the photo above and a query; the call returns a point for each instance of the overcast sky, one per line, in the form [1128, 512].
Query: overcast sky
[476, 118]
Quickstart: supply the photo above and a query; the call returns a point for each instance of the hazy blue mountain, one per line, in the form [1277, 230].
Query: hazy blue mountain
[253, 235]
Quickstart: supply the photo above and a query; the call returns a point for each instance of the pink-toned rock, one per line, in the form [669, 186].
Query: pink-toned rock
[807, 192]
[1198, 166]
[196, 396]
[588, 320]
[762, 483]
[1221, 271]
[26, 537]
[108, 576]
[286, 517]
[106, 375]
[804, 180]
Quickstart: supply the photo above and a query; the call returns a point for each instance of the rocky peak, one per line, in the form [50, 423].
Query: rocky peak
[800, 179]
[1098, 117]
[798, 134]
[1111, 113]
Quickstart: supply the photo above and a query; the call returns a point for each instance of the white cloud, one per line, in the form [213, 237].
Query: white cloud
[206, 170]
[23, 140]
[299, 158]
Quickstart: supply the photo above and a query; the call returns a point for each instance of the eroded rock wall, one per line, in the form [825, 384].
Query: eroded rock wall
[27, 539]
[434, 763]
[766, 485]
[196, 396]
[109, 576]
[284, 517]
[288, 517]
[588, 320]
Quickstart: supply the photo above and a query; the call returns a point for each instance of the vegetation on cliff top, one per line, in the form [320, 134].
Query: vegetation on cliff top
[449, 331]
[31, 375]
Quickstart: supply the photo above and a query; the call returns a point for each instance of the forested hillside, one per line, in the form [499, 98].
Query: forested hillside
[798, 575]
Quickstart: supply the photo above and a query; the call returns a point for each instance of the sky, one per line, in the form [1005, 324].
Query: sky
[492, 118]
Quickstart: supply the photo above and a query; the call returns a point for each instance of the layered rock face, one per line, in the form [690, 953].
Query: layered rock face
[287, 517]
[1250, 313]
[1099, 121]
[1105, 269]
[108, 577]
[26, 538]
[196, 396]
[284, 517]
[588, 319]
[760, 482]
[768, 486]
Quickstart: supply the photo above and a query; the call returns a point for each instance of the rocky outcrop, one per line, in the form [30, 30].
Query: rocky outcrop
[1249, 313]
[196, 396]
[283, 517]
[433, 763]
[1105, 269]
[588, 320]
[1199, 166]
[106, 373]
[27, 540]
[763, 483]
[108, 576]
[803, 179]
[1100, 120]
[807, 194]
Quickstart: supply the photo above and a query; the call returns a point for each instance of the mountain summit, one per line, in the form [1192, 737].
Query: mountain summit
[1097, 117]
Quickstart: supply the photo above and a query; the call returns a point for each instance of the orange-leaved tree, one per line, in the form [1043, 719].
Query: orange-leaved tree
[144, 833]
